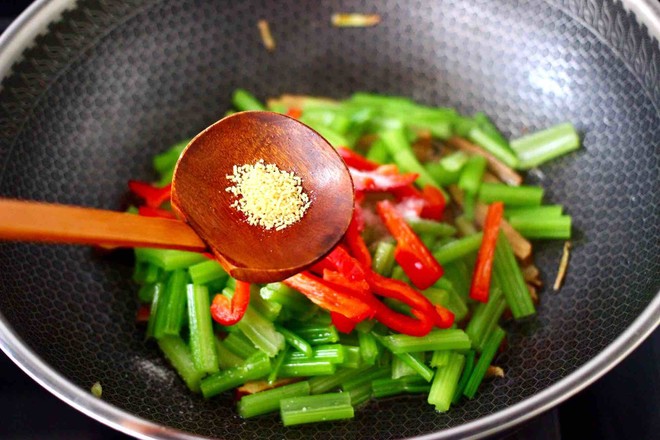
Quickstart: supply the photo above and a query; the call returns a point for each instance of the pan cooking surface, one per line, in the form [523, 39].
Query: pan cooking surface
[111, 85]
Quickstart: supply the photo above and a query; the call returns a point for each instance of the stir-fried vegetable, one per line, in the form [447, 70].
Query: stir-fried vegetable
[411, 299]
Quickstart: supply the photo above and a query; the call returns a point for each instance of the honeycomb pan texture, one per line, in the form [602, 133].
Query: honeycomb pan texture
[113, 83]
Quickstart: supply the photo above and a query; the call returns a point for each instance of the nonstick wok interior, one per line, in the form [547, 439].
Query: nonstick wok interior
[112, 84]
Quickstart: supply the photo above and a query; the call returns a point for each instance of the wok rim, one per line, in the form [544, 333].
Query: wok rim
[30, 24]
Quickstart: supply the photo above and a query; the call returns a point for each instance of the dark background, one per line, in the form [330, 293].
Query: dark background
[624, 404]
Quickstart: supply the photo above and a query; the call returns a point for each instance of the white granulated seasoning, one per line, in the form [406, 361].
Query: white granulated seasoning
[268, 196]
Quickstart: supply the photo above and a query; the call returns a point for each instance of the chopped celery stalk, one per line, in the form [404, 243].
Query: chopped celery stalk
[403, 156]
[368, 348]
[447, 339]
[334, 138]
[378, 152]
[383, 260]
[542, 146]
[258, 329]
[485, 317]
[447, 170]
[178, 353]
[445, 382]
[416, 364]
[240, 345]
[171, 306]
[487, 125]
[146, 273]
[168, 259]
[323, 384]
[277, 365]
[226, 358]
[487, 356]
[440, 358]
[269, 401]
[202, 339]
[255, 367]
[295, 341]
[448, 299]
[465, 376]
[545, 211]
[458, 274]
[206, 271]
[392, 387]
[287, 297]
[352, 357]
[472, 173]
[316, 334]
[509, 277]
[543, 227]
[244, 100]
[401, 368]
[458, 248]
[360, 394]
[303, 367]
[148, 291]
[268, 309]
[495, 146]
[317, 408]
[436, 229]
[156, 302]
[522, 195]
[333, 353]
[166, 160]
[366, 376]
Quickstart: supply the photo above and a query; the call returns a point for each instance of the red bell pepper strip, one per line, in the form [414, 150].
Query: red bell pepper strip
[332, 299]
[355, 160]
[355, 242]
[434, 203]
[342, 323]
[143, 313]
[395, 289]
[294, 113]
[379, 181]
[402, 323]
[483, 268]
[348, 266]
[339, 281]
[152, 196]
[225, 312]
[148, 211]
[413, 256]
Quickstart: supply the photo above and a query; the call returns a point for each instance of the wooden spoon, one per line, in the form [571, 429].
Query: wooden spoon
[199, 198]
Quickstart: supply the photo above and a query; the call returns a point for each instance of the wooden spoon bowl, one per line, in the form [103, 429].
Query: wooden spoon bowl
[248, 252]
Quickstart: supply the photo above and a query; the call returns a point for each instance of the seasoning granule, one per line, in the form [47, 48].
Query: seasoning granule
[268, 196]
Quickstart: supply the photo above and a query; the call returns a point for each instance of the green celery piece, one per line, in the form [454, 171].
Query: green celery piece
[269, 401]
[168, 259]
[487, 356]
[178, 353]
[258, 329]
[206, 272]
[244, 100]
[255, 367]
[391, 387]
[458, 249]
[316, 408]
[226, 358]
[445, 383]
[202, 339]
[446, 339]
[166, 160]
[542, 146]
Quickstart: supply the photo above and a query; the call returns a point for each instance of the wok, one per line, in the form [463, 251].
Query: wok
[93, 89]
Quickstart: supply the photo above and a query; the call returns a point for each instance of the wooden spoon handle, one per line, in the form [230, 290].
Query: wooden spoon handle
[42, 222]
